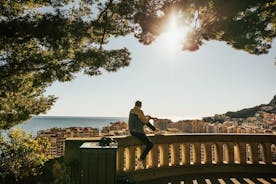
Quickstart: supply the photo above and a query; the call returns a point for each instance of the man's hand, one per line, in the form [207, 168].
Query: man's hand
[154, 118]
[148, 117]
[158, 132]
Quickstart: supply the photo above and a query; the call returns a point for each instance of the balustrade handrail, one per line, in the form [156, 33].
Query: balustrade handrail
[198, 137]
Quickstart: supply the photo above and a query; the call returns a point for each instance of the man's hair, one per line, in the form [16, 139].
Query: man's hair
[138, 103]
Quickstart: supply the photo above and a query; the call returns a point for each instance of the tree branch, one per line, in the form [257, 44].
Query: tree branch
[104, 31]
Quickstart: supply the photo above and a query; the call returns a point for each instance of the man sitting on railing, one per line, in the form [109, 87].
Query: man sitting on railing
[136, 123]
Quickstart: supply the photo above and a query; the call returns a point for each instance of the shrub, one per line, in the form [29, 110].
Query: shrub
[22, 156]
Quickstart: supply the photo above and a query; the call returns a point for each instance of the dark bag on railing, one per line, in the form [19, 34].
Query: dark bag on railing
[107, 141]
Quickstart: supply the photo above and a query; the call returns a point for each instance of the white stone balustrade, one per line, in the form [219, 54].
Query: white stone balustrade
[175, 155]
[190, 149]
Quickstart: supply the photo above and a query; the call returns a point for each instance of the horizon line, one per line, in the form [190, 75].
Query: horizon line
[173, 118]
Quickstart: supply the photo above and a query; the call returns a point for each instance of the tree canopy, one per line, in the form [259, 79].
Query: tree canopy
[42, 41]
[248, 25]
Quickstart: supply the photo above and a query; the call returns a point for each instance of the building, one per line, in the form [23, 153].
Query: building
[184, 126]
[57, 137]
[162, 124]
[211, 128]
[198, 126]
[117, 128]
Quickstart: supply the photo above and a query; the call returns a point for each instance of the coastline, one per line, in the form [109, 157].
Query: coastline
[45, 122]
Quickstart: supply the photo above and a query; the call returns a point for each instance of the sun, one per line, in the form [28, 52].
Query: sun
[174, 34]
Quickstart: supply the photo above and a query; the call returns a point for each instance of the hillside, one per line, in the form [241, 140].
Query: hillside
[249, 112]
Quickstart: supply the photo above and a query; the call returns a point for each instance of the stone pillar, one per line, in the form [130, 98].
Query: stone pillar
[219, 148]
[175, 154]
[254, 153]
[164, 155]
[267, 153]
[185, 153]
[197, 154]
[204, 153]
[140, 150]
[130, 158]
[208, 155]
[237, 155]
[153, 157]
[120, 159]
[242, 148]
[225, 153]
[230, 147]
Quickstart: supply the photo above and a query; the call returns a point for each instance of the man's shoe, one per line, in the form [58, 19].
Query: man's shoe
[139, 164]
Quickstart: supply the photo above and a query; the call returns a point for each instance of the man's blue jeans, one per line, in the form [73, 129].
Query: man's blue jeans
[142, 137]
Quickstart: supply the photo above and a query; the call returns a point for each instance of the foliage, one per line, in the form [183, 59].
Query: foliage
[244, 113]
[46, 41]
[22, 156]
[249, 25]
[39, 46]
[249, 112]
[54, 171]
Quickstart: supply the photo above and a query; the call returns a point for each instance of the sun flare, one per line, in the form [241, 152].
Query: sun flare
[174, 34]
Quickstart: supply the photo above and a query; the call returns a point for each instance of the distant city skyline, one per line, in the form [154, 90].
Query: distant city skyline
[213, 80]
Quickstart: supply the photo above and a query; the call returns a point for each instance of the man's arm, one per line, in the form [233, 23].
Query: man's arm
[142, 117]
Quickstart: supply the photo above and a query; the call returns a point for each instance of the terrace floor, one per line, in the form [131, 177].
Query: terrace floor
[233, 178]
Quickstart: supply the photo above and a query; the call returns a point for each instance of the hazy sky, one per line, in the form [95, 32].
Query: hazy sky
[212, 80]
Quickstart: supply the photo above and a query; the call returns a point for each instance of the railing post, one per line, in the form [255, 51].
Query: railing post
[267, 153]
[120, 159]
[130, 158]
[153, 157]
[242, 147]
[141, 149]
[197, 154]
[185, 153]
[175, 154]
[254, 150]
[237, 155]
[164, 155]
[208, 153]
[219, 153]
[225, 155]
[230, 147]
[185, 157]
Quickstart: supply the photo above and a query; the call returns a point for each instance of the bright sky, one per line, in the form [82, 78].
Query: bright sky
[172, 83]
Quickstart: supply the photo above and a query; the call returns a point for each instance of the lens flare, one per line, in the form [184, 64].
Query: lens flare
[174, 34]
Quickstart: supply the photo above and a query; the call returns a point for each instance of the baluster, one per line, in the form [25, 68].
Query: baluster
[142, 148]
[197, 152]
[254, 150]
[185, 153]
[219, 153]
[120, 159]
[153, 157]
[175, 154]
[130, 158]
[230, 147]
[267, 153]
[164, 155]
[225, 155]
[237, 155]
[208, 156]
[242, 147]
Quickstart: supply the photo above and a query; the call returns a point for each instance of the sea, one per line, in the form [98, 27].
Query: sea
[45, 122]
